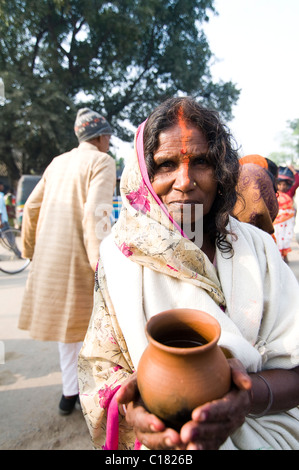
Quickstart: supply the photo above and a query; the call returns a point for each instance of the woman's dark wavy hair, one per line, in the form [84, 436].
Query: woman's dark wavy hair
[221, 155]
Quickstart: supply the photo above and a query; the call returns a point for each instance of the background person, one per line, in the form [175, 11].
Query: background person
[3, 211]
[257, 201]
[10, 202]
[285, 221]
[65, 218]
[184, 156]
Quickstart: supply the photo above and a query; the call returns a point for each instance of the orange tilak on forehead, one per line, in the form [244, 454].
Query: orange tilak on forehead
[186, 133]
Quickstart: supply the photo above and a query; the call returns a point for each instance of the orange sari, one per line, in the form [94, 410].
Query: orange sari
[286, 208]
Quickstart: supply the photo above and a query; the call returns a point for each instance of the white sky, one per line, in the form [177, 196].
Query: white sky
[256, 45]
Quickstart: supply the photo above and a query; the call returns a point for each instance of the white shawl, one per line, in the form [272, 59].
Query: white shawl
[260, 326]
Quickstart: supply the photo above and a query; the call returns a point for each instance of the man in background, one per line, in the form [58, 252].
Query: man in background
[65, 218]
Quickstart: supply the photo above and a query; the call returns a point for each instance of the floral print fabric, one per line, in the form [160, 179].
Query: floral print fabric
[104, 364]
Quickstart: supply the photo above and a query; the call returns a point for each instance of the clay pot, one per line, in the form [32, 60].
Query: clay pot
[182, 367]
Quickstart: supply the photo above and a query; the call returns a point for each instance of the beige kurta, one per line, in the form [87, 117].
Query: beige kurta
[65, 219]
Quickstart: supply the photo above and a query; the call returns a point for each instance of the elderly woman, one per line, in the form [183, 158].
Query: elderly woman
[184, 159]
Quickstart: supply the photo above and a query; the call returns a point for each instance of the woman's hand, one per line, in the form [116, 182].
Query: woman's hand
[149, 429]
[212, 423]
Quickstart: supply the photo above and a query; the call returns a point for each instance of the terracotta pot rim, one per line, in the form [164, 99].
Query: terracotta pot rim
[190, 350]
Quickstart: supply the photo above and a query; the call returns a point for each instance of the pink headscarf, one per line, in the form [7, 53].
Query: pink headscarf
[145, 177]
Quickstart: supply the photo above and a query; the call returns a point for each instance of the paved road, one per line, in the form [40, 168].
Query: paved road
[30, 385]
[30, 381]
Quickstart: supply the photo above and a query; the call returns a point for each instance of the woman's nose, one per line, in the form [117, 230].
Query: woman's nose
[183, 178]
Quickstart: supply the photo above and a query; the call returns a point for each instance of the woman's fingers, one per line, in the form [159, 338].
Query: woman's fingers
[213, 422]
[169, 439]
[139, 418]
[149, 429]
[240, 376]
[128, 391]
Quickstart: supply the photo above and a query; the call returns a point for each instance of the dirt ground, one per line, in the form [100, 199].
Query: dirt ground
[30, 381]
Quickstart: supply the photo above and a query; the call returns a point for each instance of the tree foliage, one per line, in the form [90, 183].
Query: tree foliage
[294, 126]
[290, 146]
[123, 56]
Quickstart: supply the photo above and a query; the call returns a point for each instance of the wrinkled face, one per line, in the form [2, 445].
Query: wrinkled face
[180, 163]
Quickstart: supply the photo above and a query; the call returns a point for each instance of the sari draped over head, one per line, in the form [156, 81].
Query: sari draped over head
[146, 233]
[256, 159]
[257, 202]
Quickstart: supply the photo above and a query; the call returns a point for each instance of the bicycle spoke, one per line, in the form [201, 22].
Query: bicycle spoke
[11, 261]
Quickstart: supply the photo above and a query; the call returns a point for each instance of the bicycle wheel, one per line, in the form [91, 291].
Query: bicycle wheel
[11, 261]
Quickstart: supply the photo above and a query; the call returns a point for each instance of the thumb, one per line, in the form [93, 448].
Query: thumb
[128, 390]
[239, 375]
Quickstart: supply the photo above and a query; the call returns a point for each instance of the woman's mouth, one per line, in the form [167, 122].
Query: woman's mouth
[185, 211]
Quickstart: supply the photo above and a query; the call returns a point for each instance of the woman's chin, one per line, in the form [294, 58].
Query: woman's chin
[186, 214]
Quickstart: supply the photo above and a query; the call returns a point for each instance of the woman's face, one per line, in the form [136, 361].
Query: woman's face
[180, 163]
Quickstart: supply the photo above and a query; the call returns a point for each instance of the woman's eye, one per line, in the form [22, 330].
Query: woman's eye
[167, 164]
[200, 161]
